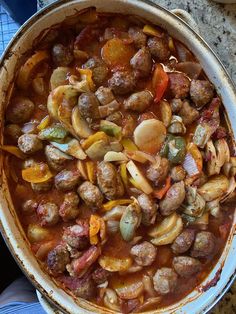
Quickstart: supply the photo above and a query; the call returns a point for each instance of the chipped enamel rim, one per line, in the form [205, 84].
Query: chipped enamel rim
[197, 301]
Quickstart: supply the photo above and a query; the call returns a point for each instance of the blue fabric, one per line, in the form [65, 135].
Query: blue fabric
[22, 308]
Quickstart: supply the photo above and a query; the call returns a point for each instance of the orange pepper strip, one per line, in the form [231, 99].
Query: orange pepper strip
[13, 150]
[94, 227]
[161, 192]
[160, 82]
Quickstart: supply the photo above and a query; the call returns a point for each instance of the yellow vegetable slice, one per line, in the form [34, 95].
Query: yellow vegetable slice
[130, 290]
[80, 126]
[94, 225]
[216, 187]
[113, 264]
[72, 148]
[128, 145]
[141, 157]
[36, 233]
[13, 150]
[123, 173]
[164, 227]
[115, 156]
[90, 166]
[27, 70]
[81, 166]
[134, 183]
[86, 75]
[44, 123]
[38, 173]
[109, 205]
[94, 138]
[170, 236]
[139, 178]
[151, 31]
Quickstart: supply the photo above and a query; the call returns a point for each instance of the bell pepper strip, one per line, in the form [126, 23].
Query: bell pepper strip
[90, 166]
[109, 205]
[44, 123]
[14, 151]
[134, 183]
[123, 174]
[81, 166]
[38, 173]
[128, 145]
[161, 192]
[151, 31]
[171, 44]
[94, 138]
[160, 81]
[94, 227]
[86, 75]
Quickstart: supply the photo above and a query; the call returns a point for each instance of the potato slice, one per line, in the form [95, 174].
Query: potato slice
[166, 113]
[170, 236]
[139, 178]
[59, 77]
[27, 70]
[164, 227]
[216, 187]
[113, 264]
[149, 135]
[80, 126]
[115, 156]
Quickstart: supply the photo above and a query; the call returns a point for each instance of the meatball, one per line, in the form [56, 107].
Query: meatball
[29, 206]
[109, 180]
[122, 82]
[66, 180]
[42, 187]
[69, 208]
[99, 69]
[20, 110]
[159, 48]
[48, 214]
[91, 195]
[179, 85]
[76, 236]
[100, 275]
[149, 209]
[61, 55]
[177, 173]
[57, 260]
[201, 92]
[204, 244]
[88, 106]
[138, 36]
[186, 266]
[158, 172]
[183, 242]
[139, 101]
[29, 143]
[104, 95]
[13, 131]
[144, 253]
[165, 280]
[188, 113]
[141, 62]
[86, 289]
[173, 199]
[56, 158]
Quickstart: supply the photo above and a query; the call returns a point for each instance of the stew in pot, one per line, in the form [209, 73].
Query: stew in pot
[120, 162]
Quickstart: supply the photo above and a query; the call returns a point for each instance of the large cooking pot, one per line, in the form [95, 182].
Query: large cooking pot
[220, 278]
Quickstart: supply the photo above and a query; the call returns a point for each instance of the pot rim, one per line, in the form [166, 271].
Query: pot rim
[7, 53]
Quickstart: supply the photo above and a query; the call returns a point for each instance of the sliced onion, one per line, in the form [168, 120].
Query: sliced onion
[114, 264]
[111, 300]
[129, 290]
[191, 69]
[190, 165]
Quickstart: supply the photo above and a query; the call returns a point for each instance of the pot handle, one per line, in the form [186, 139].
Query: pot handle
[187, 18]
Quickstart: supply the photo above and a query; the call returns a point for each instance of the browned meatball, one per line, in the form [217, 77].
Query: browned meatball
[99, 69]
[149, 209]
[109, 180]
[85, 289]
[122, 82]
[57, 260]
[48, 214]
[183, 242]
[76, 236]
[20, 110]
[188, 113]
[56, 158]
[159, 48]
[66, 180]
[144, 253]
[177, 173]
[186, 266]
[104, 95]
[29, 206]
[13, 131]
[29, 143]
[139, 101]
[201, 92]
[158, 172]
[61, 55]
[100, 275]
[69, 209]
[179, 85]
[176, 104]
[88, 106]
[42, 187]
[139, 38]
[165, 280]
[91, 195]
[204, 244]
[141, 62]
[173, 199]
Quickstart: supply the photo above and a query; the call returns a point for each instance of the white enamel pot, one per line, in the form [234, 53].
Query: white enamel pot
[223, 274]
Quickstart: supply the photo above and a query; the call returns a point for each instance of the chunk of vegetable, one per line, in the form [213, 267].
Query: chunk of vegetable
[123, 174]
[160, 81]
[114, 156]
[130, 221]
[160, 193]
[214, 188]
[109, 205]
[152, 31]
[13, 150]
[166, 112]
[164, 227]
[110, 300]
[128, 290]
[44, 123]
[86, 75]
[141, 156]
[110, 128]
[90, 167]
[38, 173]
[128, 145]
[71, 147]
[94, 138]
[193, 160]
[138, 177]
[94, 227]
[113, 264]
[59, 77]
[176, 150]
[81, 166]
[80, 126]
[36, 233]
[195, 203]
[149, 135]
[55, 133]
